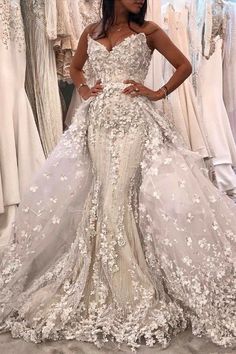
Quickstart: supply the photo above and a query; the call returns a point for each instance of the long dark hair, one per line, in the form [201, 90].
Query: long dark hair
[108, 16]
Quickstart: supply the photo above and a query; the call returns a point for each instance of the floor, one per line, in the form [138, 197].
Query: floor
[184, 343]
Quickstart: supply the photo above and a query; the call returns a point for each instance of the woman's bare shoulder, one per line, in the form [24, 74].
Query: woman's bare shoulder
[149, 27]
[92, 29]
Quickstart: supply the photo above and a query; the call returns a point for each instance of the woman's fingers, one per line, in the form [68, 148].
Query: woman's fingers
[130, 82]
[96, 89]
[134, 86]
[131, 89]
[98, 82]
[95, 93]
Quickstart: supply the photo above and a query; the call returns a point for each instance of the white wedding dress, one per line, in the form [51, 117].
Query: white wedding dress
[21, 152]
[88, 12]
[186, 110]
[229, 68]
[211, 28]
[121, 236]
[41, 75]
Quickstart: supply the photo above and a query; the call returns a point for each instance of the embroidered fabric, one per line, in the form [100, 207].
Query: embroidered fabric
[11, 26]
[215, 26]
[89, 11]
[67, 37]
[121, 236]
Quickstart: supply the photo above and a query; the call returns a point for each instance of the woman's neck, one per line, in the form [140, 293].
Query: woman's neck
[121, 13]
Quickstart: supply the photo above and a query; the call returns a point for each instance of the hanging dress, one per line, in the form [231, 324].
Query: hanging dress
[229, 69]
[41, 74]
[185, 108]
[21, 151]
[88, 13]
[210, 94]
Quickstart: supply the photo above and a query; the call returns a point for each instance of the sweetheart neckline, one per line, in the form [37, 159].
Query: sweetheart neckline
[123, 41]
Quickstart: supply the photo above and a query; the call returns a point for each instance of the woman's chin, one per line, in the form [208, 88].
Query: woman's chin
[135, 10]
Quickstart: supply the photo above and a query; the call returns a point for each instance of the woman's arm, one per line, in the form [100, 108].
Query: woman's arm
[159, 40]
[76, 68]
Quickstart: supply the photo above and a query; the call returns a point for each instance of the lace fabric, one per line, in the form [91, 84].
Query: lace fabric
[89, 11]
[121, 236]
[11, 27]
[215, 26]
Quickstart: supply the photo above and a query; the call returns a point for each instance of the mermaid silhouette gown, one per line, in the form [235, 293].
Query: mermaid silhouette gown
[121, 236]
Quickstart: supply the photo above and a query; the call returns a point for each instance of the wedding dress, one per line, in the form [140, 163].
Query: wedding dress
[66, 40]
[229, 68]
[186, 110]
[41, 74]
[121, 236]
[89, 12]
[154, 78]
[21, 152]
[211, 26]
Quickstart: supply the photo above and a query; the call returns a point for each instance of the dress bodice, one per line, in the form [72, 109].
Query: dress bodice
[130, 59]
[11, 25]
[215, 26]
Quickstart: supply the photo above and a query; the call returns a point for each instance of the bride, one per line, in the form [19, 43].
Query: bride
[121, 236]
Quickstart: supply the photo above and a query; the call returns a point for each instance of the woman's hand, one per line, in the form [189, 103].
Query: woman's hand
[86, 92]
[136, 89]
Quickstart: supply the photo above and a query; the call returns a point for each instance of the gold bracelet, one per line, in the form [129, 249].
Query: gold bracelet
[81, 85]
[164, 89]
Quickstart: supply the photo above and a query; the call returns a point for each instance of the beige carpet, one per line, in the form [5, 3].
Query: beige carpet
[182, 344]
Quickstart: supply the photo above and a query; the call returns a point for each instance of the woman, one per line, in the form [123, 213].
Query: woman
[121, 236]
